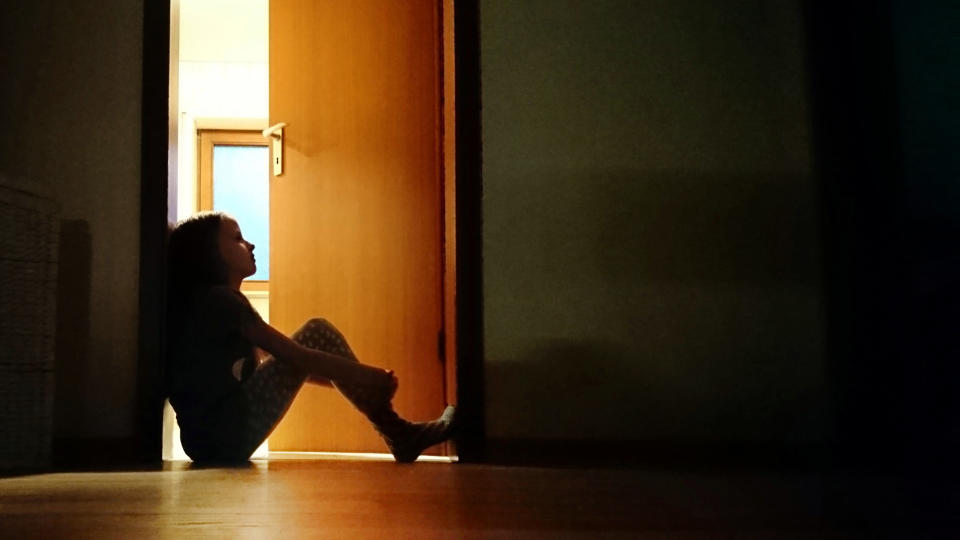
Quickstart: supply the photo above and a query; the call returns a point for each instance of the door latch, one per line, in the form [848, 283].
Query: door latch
[275, 132]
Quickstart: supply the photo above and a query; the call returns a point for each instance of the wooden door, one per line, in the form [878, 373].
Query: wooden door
[355, 218]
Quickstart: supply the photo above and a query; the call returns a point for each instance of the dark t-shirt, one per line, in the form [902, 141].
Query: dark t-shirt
[210, 359]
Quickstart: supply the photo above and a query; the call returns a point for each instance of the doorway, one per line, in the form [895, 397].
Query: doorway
[244, 58]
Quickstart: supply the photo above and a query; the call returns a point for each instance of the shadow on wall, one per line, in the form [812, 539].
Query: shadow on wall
[654, 306]
[584, 390]
[73, 327]
[539, 386]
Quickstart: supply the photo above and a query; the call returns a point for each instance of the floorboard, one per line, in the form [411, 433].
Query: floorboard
[343, 498]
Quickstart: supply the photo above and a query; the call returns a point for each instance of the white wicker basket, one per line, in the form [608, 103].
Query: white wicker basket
[29, 229]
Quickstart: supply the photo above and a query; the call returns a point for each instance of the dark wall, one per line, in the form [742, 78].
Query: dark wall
[884, 79]
[651, 235]
[855, 135]
[927, 47]
[70, 105]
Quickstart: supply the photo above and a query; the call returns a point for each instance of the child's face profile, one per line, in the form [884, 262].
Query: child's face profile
[237, 253]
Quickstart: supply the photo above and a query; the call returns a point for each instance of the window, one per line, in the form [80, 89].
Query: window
[234, 177]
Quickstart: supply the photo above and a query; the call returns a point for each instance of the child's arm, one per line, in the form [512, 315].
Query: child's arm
[316, 363]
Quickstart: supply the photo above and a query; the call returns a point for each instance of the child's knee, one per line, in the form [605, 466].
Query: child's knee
[316, 323]
[315, 331]
[309, 332]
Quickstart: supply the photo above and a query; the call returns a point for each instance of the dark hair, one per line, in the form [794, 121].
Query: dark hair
[193, 254]
[193, 264]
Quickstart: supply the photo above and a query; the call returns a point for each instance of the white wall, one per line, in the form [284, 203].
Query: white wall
[223, 76]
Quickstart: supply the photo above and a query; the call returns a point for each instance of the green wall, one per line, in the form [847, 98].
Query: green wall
[650, 223]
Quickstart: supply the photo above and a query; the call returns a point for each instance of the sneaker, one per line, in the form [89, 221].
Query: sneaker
[419, 436]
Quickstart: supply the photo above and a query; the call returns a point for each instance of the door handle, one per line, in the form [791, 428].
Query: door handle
[275, 132]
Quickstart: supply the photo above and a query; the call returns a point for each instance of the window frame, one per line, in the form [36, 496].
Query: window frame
[207, 139]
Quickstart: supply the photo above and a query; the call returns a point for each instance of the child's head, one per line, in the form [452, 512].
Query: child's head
[193, 253]
[207, 249]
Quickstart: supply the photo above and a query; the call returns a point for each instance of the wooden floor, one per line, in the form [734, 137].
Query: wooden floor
[363, 499]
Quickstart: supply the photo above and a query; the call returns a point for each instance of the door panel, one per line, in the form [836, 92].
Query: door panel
[355, 218]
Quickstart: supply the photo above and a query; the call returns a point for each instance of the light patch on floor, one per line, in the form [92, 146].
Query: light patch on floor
[353, 456]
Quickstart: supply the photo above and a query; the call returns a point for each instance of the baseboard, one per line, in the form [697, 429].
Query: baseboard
[656, 454]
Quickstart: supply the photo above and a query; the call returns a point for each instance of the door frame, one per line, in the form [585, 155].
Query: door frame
[158, 170]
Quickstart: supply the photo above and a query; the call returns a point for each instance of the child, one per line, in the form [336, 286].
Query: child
[226, 402]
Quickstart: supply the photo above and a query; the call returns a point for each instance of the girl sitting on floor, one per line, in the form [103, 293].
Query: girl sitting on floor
[226, 401]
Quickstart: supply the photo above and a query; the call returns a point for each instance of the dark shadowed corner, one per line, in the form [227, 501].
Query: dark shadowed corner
[73, 337]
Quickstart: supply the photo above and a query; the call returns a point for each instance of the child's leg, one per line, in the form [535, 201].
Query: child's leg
[317, 334]
[269, 392]
[274, 384]
[320, 334]
[405, 439]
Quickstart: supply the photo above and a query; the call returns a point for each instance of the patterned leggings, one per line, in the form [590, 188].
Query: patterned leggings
[270, 390]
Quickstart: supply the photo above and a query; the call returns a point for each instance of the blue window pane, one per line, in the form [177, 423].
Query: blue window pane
[241, 188]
